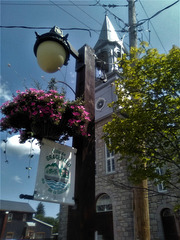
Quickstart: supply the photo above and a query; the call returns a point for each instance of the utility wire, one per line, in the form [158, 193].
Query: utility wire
[79, 3]
[71, 15]
[152, 26]
[116, 17]
[66, 29]
[160, 11]
[85, 13]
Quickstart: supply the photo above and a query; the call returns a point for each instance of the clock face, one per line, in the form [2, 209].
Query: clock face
[100, 103]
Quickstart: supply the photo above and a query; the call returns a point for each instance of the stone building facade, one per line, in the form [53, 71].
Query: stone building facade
[164, 223]
[113, 183]
[114, 193]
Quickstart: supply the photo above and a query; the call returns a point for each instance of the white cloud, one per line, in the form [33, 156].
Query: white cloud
[5, 94]
[13, 146]
[17, 179]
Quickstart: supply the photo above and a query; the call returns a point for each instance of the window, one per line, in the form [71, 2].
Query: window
[110, 165]
[160, 186]
[103, 63]
[169, 224]
[10, 217]
[103, 204]
[9, 235]
[24, 217]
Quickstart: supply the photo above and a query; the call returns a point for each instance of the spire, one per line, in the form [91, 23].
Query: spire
[108, 34]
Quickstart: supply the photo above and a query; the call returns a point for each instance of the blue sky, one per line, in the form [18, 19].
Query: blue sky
[19, 68]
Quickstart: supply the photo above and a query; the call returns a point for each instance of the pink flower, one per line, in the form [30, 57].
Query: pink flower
[71, 121]
[86, 113]
[53, 91]
[48, 107]
[81, 107]
[84, 134]
[87, 118]
[35, 113]
[76, 114]
[41, 98]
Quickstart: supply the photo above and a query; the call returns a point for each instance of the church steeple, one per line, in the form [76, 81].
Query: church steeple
[108, 34]
[109, 47]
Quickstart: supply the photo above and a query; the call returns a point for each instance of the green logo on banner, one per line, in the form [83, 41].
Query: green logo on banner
[56, 172]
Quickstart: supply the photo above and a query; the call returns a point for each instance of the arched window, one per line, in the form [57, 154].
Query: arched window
[102, 62]
[103, 203]
[169, 224]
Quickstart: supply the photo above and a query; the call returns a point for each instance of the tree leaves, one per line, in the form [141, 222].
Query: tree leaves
[145, 125]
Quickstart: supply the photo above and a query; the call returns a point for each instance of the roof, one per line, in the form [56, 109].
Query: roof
[108, 34]
[16, 206]
[37, 220]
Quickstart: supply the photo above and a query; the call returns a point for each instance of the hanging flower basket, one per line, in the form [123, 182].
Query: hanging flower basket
[39, 114]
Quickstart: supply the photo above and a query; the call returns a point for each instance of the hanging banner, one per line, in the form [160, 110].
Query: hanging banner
[56, 173]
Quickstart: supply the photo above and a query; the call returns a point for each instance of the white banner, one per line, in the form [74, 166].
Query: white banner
[56, 173]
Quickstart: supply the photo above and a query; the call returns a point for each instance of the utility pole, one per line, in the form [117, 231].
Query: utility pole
[141, 201]
[132, 24]
[81, 217]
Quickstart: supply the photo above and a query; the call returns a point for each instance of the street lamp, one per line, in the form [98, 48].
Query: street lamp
[50, 57]
[52, 50]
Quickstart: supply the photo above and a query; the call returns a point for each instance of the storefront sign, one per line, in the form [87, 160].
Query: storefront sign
[56, 173]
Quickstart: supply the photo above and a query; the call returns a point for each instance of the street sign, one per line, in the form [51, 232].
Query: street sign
[56, 173]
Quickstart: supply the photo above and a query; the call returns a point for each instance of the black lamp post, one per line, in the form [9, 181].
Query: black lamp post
[52, 51]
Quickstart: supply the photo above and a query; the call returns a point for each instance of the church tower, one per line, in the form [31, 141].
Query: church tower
[108, 49]
[112, 203]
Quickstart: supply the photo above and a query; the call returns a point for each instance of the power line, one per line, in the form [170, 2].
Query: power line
[160, 11]
[116, 17]
[71, 15]
[124, 28]
[85, 12]
[45, 3]
[152, 26]
[64, 29]
[35, 28]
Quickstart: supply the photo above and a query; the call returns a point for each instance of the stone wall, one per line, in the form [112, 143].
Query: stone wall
[159, 201]
[116, 185]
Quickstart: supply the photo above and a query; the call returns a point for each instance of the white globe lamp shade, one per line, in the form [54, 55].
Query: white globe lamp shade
[50, 56]
[52, 50]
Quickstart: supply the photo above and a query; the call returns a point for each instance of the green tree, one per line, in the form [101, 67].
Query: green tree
[40, 210]
[145, 125]
[52, 84]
